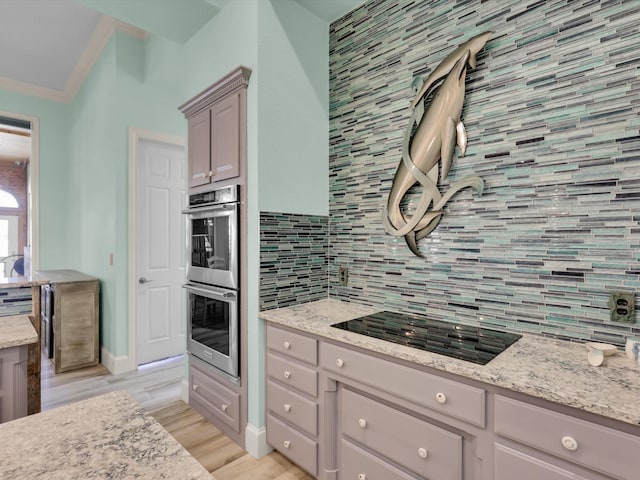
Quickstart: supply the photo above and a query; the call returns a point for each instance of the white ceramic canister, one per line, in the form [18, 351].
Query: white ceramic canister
[632, 348]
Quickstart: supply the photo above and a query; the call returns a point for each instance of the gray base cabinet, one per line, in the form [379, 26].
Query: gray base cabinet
[215, 398]
[13, 383]
[292, 397]
[344, 413]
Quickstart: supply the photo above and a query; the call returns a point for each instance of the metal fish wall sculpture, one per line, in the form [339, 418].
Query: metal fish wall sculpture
[427, 150]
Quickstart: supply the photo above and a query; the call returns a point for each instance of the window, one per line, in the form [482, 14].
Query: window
[7, 200]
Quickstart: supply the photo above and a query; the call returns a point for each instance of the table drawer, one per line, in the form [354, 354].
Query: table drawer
[293, 408]
[293, 445]
[445, 396]
[292, 344]
[604, 449]
[510, 464]
[293, 374]
[356, 464]
[215, 397]
[430, 451]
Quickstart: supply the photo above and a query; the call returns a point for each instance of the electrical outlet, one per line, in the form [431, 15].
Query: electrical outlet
[343, 275]
[622, 306]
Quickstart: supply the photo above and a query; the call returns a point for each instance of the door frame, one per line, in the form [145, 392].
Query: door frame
[135, 135]
[33, 187]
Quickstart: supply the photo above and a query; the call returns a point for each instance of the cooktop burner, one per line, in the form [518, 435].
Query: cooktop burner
[474, 344]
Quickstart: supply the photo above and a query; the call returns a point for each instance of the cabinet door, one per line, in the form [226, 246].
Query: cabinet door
[225, 138]
[199, 149]
[76, 324]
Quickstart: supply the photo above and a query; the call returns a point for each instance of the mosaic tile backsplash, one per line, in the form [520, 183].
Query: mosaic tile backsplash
[552, 114]
[15, 301]
[293, 259]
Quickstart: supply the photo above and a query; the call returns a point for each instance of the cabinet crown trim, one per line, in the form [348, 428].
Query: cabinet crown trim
[234, 80]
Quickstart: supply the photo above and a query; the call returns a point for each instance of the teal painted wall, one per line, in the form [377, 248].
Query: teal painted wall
[291, 161]
[54, 156]
[141, 84]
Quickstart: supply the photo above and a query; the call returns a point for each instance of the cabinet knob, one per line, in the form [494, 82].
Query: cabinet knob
[363, 423]
[194, 388]
[286, 444]
[362, 476]
[287, 345]
[211, 173]
[422, 453]
[224, 407]
[339, 362]
[569, 443]
[287, 374]
[287, 407]
[441, 397]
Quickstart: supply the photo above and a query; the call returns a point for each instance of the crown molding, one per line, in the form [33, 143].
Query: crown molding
[103, 32]
[234, 80]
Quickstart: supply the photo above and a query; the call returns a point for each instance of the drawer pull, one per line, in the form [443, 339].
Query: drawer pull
[339, 362]
[569, 443]
[362, 476]
[287, 346]
[287, 374]
[224, 407]
[441, 397]
[287, 444]
[363, 423]
[287, 407]
[194, 388]
[422, 453]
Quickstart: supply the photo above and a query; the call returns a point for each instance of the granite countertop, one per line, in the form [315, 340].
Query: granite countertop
[16, 330]
[109, 436]
[551, 369]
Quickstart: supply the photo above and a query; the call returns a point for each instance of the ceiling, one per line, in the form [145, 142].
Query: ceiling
[49, 46]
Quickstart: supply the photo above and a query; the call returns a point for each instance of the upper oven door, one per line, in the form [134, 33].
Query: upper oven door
[213, 245]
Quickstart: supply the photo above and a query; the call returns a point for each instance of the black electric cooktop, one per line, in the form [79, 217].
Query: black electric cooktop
[474, 344]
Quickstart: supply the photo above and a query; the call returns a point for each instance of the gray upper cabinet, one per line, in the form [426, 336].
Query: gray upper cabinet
[217, 130]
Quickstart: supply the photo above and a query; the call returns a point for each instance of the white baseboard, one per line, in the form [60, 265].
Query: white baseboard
[116, 365]
[255, 441]
[184, 391]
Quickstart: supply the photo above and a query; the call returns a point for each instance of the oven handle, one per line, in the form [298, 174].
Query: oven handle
[211, 208]
[206, 291]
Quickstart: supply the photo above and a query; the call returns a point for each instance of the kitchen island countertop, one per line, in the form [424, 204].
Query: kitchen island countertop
[109, 436]
[16, 330]
[551, 369]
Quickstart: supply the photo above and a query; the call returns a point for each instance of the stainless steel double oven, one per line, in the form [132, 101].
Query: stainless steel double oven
[213, 278]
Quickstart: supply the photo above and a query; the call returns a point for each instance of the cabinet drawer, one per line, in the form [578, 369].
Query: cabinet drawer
[356, 464]
[293, 445]
[417, 445]
[510, 464]
[292, 344]
[217, 399]
[601, 448]
[293, 408]
[293, 374]
[445, 396]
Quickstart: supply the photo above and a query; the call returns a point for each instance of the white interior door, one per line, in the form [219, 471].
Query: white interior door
[161, 247]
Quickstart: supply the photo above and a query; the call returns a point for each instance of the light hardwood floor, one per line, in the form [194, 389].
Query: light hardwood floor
[219, 455]
[157, 388]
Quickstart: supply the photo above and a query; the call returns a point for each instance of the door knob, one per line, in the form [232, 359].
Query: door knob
[143, 280]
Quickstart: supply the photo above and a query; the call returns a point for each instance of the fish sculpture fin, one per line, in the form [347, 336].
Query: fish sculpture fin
[472, 61]
[410, 238]
[448, 143]
[462, 138]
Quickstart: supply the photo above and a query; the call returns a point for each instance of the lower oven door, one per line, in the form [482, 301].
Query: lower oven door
[212, 326]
